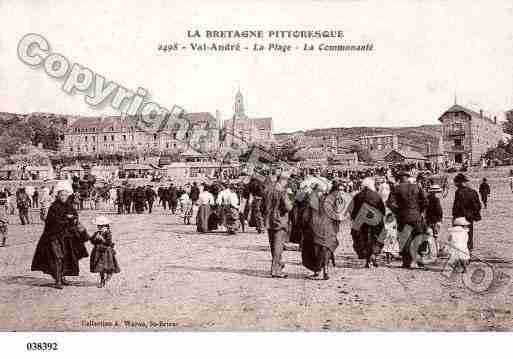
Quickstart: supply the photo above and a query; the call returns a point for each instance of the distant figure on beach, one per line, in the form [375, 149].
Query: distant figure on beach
[484, 191]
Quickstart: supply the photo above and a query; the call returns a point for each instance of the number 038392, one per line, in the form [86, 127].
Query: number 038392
[42, 346]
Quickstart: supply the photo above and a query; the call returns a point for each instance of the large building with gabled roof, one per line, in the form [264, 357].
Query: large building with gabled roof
[114, 134]
[198, 130]
[467, 134]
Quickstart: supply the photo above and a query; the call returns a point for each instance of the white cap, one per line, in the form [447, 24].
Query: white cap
[368, 182]
[63, 186]
[461, 221]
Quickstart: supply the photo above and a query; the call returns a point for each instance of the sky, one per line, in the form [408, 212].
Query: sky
[425, 53]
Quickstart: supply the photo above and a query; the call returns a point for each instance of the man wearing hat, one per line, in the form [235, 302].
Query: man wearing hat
[23, 203]
[277, 206]
[407, 201]
[434, 212]
[466, 204]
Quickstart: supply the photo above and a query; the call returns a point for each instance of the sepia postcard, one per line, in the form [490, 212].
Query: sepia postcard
[215, 166]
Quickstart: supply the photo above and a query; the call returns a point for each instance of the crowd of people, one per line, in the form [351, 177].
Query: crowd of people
[388, 208]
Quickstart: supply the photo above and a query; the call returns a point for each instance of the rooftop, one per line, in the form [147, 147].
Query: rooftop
[471, 113]
[409, 154]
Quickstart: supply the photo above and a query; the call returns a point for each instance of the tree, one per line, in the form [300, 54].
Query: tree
[496, 153]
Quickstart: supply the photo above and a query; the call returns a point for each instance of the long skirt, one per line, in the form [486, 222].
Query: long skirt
[213, 220]
[365, 241]
[391, 243]
[314, 256]
[256, 218]
[316, 251]
[103, 260]
[231, 218]
[48, 252]
[202, 218]
[139, 207]
[296, 225]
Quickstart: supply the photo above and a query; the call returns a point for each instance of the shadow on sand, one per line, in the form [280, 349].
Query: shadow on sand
[246, 272]
[42, 282]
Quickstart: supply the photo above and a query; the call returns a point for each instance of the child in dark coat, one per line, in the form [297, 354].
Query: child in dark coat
[434, 212]
[4, 221]
[103, 257]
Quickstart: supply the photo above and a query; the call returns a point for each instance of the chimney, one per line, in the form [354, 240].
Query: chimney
[481, 113]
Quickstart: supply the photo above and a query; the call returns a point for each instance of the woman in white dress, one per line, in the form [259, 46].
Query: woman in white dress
[391, 244]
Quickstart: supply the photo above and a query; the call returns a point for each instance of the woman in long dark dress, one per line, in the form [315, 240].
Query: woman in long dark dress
[367, 239]
[319, 239]
[205, 203]
[296, 219]
[256, 189]
[62, 244]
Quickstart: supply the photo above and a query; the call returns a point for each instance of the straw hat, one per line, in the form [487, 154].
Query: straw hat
[101, 221]
[461, 221]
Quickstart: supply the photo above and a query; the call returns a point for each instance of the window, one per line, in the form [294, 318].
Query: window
[155, 137]
[112, 137]
[105, 138]
[124, 138]
[85, 138]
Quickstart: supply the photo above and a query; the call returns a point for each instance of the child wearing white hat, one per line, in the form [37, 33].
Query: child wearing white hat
[103, 257]
[457, 245]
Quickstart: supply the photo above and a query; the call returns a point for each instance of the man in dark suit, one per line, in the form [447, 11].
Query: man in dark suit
[150, 197]
[194, 193]
[173, 198]
[277, 206]
[407, 201]
[466, 204]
